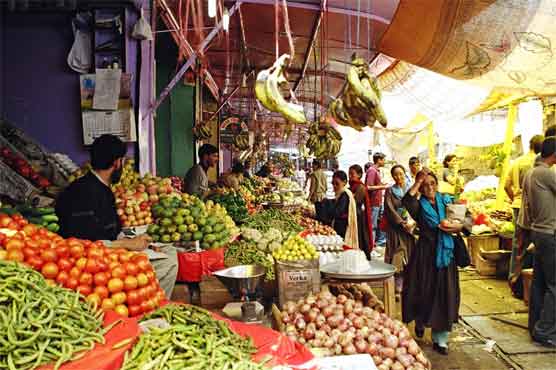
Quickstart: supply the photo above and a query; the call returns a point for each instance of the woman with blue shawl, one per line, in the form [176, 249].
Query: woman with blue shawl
[400, 241]
[431, 293]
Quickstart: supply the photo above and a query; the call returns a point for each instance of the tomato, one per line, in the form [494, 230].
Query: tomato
[118, 272]
[62, 277]
[121, 310]
[130, 283]
[124, 257]
[81, 263]
[142, 279]
[3, 238]
[143, 293]
[29, 252]
[131, 268]
[115, 285]
[76, 250]
[134, 310]
[50, 270]
[95, 253]
[152, 304]
[14, 244]
[35, 262]
[3, 254]
[86, 279]
[94, 299]
[143, 263]
[4, 220]
[119, 298]
[75, 272]
[50, 282]
[91, 266]
[62, 250]
[71, 283]
[133, 298]
[49, 255]
[85, 290]
[15, 255]
[107, 304]
[102, 265]
[144, 306]
[101, 278]
[31, 243]
[102, 291]
[113, 264]
[64, 264]
[113, 257]
[13, 225]
[29, 229]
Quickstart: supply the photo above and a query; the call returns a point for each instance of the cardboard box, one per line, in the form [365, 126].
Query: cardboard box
[213, 293]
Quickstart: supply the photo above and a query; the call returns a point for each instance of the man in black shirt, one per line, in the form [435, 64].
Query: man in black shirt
[87, 208]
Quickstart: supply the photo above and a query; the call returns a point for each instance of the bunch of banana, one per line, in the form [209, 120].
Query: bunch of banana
[267, 90]
[359, 103]
[324, 141]
[202, 130]
[241, 142]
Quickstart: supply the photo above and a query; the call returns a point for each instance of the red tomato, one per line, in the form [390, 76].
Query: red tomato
[62, 277]
[76, 250]
[31, 243]
[118, 298]
[151, 275]
[121, 310]
[71, 283]
[13, 226]
[113, 257]
[4, 220]
[50, 282]
[75, 272]
[64, 264]
[143, 264]
[91, 266]
[124, 257]
[49, 255]
[134, 310]
[85, 290]
[17, 217]
[3, 238]
[14, 244]
[143, 293]
[133, 298]
[107, 304]
[115, 285]
[35, 262]
[95, 252]
[44, 244]
[86, 243]
[102, 265]
[94, 299]
[29, 229]
[142, 279]
[15, 255]
[152, 304]
[86, 279]
[144, 306]
[130, 283]
[62, 250]
[131, 268]
[102, 291]
[81, 263]
[101, 279]
[29, 252]
[50, 270]
[113, 264]
[118, 272]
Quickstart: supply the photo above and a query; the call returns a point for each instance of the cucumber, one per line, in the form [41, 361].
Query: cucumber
[35, 220]
[50, 218]
[9, 211]
[54, 227]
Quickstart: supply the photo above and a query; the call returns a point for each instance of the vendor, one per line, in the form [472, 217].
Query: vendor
[345, 210]
[87, 209]
[266, 170]
[317, 189]
[196, 180]
[451, 175]
[234, 178]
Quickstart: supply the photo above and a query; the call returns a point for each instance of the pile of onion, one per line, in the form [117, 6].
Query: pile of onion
[345, 326]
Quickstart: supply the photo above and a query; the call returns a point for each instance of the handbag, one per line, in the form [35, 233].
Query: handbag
[461, 254]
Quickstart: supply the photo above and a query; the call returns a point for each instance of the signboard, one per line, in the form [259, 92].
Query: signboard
[231, 127]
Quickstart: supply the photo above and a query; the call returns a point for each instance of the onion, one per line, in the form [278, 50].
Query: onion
[338, 349]
[285, 317]
[319, 334]
[291, 329]
[401, 351]
[329, 343]
[413, 348]
[342, 299]
[345, 339]
[350, 349]
[404, 334]
[343, 326]
[358, 310]
[320, 320]
[309, 333]
[419, 366]
[391, 341]
[322, 303]
[300, 302]
[310, 300]
[358, 322]
[326, 328]
[352, 330]
[386, 332]
[297, 316]
[339, 311]
[397, 366]
[388, 362]
[327, 311]
[352, 316]
[317, 343]
[290, 307]
[361, 346]
[422, 359]
[311, 316]
[372, 349]
[406, 360]
[305, 308]
[334, 321]
[300, 323]
[383, 367]
[367, 312]
[374, 338]
[365, 332]
[387, 352]
[348, 307]
[377, 360]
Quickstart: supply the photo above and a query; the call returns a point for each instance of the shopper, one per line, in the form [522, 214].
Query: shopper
[414, 168]
[400, 241]
[513, 189]
[451, 175]
[344, 220]
[317, 189]
[266, 170]
[375, 188]
[363, 202]
[431, 293]
[87, 209]
[539, 195]
[196, 180]
[234, 178]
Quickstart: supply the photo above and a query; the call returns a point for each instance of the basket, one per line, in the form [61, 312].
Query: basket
[485, 267]
[486, 242]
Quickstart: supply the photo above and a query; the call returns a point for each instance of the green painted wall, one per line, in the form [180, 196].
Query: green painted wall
[175, 116]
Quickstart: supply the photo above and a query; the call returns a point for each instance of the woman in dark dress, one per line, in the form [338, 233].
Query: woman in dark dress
[345, 214]
[431, 293]
[363, 202]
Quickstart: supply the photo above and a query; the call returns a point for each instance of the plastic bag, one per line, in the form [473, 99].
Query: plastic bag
[142, 29]
[80, 55]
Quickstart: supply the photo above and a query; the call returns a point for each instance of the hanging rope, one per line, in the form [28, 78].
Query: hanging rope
[358, 21]
[288, 29]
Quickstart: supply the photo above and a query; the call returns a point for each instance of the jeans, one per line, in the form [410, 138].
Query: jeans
[378, 236]
[515, 244]
[542, 302]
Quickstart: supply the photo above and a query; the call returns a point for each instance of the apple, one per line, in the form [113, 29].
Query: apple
[152, 189]
[120, 211]
[129, 211]
[141, 188]
[153, 198]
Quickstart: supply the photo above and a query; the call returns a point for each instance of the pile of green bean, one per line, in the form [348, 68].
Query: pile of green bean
[194, 340]
[41, 324]
[242, 252]
[273, 218]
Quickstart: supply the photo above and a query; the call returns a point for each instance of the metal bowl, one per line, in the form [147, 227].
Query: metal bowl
[241, 281]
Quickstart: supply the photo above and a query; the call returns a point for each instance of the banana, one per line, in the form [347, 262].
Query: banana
[355, 72]
[260, 88]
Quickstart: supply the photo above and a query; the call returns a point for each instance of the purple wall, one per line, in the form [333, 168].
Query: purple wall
[40, 93]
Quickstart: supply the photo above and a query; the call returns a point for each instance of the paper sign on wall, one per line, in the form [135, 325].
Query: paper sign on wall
[120, 123]
[107, 89]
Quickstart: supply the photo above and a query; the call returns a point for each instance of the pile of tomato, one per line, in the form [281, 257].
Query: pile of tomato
[114, 279]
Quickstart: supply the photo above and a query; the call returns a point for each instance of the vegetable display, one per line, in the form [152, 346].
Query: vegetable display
[315, 227]
[233, 203]
[345, 326]
[193, 340]
[273, 218]
[22, 167]
[42, 323]
[294, 249]
[41, 216]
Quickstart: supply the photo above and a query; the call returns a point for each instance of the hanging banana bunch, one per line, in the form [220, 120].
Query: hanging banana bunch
[202, 130]
[241, 141]
[324, 141]
[267, 90]
[359, 103]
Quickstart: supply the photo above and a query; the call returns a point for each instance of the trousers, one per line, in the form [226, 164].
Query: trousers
[166, 270]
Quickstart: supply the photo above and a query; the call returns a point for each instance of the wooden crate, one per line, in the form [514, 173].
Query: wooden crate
[486, 242]
[485, 267]
[181, 293]
[213, 293]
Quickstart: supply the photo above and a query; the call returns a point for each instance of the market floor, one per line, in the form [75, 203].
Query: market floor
[492, 333]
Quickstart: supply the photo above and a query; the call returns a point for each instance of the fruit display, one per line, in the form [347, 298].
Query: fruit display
[267, 89]
[22, 167]
[241, 141]
[110, 278]
[80, 172]
[186, 218]
[359, 104]
[313, 226]
[344, 326]
[287, 185]
[193, 340]
[134, 205]
[177, 183]
[324, 141]
[273, 219]
[234, 203]
[43, 324]
[294, 249]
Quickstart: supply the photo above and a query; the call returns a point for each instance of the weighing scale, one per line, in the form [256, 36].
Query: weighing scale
[242, 282]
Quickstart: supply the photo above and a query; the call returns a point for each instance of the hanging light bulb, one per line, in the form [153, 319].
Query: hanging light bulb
[226, 20]
[212, 8]
[243, 80]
